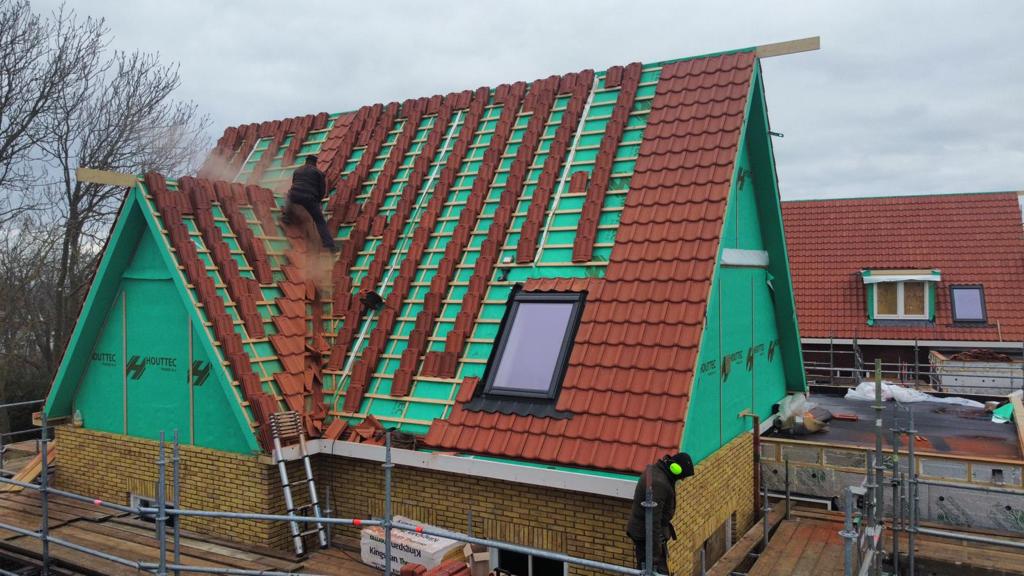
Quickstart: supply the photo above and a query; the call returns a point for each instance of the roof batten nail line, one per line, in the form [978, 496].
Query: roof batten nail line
[565, 171]
[362, 333]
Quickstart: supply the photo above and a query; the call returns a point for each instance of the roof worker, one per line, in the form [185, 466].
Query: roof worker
[309, 186]
[663, 476]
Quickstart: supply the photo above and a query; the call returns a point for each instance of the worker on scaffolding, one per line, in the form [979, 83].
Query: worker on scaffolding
[661, 477]
[309, 186]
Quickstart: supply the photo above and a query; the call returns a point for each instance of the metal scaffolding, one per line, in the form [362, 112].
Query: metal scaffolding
[164, 511]
[863, 529]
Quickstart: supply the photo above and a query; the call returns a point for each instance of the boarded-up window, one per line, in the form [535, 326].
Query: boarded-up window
[886, 294]
[913, 299]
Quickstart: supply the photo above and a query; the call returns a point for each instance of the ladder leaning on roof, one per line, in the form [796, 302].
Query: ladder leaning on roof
[288, 426]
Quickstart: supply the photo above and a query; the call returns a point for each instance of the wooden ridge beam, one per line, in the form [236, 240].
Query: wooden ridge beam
[95, 176]
[809, 44]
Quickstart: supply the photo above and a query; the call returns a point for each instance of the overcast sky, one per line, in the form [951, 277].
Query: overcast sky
[903, 97]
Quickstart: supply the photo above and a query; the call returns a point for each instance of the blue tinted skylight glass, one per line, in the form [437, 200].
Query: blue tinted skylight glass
[967, 303]
[530, 357]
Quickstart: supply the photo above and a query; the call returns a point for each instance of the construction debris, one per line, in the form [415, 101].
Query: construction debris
[980, 355]
[31, 470]
[866, 391]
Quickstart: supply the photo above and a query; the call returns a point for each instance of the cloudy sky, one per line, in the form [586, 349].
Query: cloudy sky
[903, 98]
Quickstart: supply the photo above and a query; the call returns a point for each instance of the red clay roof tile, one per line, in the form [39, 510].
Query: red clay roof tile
[629, 374]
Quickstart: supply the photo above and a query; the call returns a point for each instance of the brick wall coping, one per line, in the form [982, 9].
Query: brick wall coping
[469, 466]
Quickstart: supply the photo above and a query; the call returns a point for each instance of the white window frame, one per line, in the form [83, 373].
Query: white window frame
[900, 314]
[494, 563]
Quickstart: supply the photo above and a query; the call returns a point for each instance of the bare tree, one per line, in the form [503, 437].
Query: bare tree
[121, 117]
[105, 109]
[27, 267]
[39, 57]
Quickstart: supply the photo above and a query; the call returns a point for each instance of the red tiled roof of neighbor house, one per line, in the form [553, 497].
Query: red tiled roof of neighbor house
[969, 238]
[629, 376]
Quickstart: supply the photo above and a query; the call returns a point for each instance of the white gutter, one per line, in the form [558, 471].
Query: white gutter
[468, 466]
[938, 343]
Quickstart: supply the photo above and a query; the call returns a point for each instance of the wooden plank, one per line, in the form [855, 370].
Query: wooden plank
[830, 562]
[105, 177]
[766, 562]
[739, 551]
[337, 562]
[79, 562]
[789, 47]
[793, 550]
[805, 565]
[31, 470]
[108, 532]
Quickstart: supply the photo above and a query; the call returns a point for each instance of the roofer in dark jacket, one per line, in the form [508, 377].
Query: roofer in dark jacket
[308, 190]
[663, 475]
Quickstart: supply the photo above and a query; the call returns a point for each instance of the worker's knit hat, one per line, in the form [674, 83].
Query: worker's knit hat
[680, 465]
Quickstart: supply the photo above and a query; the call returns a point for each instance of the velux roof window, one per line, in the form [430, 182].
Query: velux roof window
[533, 348]
[968, 303]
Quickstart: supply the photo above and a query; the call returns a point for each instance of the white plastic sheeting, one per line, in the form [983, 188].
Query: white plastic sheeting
[890, 391]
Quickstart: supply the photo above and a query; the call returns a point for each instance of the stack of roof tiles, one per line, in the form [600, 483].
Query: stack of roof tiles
[969, 238]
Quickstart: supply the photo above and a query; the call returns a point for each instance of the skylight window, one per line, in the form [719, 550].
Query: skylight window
[968, 303]
[533, 347]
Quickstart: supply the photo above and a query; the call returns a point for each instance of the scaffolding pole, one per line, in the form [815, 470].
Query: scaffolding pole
[161, 503]
[176, 499]
[388, 465]
[44, 483]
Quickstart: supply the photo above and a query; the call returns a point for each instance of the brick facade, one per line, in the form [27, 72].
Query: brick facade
[722, 486]
[111, 466]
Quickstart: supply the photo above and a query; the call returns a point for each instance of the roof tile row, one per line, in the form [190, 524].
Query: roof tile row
[586, 233]
[544, 94]
[628, 398]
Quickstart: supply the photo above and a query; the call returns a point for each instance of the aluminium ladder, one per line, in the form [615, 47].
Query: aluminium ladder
[288, 426]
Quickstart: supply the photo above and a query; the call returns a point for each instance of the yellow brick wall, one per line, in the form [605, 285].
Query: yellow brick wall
[578, 524]
[110, 466]
[722, 485]
[581, 525]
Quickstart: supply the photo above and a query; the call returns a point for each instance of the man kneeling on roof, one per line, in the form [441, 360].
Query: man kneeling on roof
[308, 190]
[662, 476]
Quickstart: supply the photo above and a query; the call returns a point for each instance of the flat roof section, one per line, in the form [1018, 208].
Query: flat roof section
[946, 429]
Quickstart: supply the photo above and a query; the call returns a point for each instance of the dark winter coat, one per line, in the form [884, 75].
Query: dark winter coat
[664, 495]
[308, 181]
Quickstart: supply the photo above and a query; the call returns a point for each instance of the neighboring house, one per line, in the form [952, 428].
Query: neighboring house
[579, 275]
[900, 277]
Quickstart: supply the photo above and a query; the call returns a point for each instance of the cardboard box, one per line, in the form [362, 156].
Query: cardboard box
[478, 559]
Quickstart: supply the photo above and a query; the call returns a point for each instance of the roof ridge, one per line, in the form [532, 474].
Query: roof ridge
[901, 196]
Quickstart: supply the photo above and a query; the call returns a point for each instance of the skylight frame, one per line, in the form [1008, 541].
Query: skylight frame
[517, 299]
[981, 296]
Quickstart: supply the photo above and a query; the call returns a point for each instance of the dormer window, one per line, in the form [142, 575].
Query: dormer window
[900, 294]
[533, 348]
